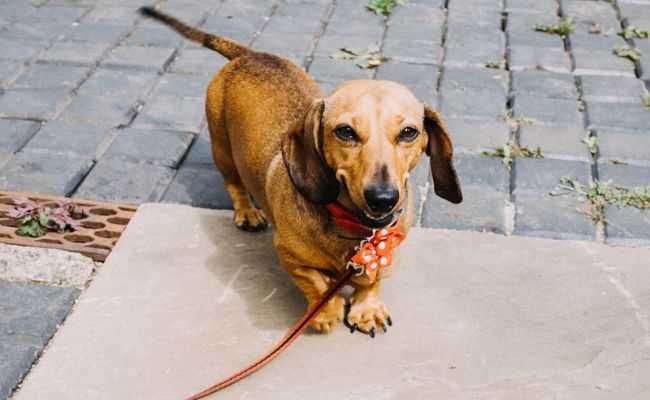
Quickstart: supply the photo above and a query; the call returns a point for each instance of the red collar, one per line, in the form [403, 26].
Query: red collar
[347, 220]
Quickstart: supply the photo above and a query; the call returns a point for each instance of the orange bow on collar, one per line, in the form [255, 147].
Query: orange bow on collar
[375, 253]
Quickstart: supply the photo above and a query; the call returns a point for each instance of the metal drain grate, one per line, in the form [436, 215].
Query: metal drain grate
[101, 224]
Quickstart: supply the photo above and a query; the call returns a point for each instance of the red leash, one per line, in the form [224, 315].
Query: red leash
[295, 331]
[372, 254]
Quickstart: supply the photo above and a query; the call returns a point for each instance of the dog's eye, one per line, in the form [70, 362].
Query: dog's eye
[346, 133]
[408, 134]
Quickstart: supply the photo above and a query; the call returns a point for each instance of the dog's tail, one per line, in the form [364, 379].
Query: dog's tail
[226, 47]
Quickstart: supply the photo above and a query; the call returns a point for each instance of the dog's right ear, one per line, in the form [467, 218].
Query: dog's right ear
[302, 152]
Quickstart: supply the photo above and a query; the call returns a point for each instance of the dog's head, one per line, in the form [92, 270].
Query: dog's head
[361, 142]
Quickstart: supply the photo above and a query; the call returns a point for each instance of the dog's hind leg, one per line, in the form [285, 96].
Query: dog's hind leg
[247, 216]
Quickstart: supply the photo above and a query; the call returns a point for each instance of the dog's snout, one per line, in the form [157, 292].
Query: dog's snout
[381, 200]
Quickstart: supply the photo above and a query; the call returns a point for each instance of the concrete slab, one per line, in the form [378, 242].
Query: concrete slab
[185, 299]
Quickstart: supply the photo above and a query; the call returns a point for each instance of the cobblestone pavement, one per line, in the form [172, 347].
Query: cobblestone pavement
[100, 103]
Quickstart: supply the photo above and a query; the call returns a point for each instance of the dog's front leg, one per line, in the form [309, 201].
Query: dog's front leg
[367, 313]
[314, 284]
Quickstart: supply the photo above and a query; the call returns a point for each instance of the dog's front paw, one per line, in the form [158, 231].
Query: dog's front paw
[368, 316]
[331, 315]
[250, 219]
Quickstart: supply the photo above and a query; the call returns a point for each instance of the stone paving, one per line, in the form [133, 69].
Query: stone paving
[100, 103]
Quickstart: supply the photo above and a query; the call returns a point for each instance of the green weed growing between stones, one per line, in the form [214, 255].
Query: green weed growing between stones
[563, 28]
[384, 7]
[509, 151]
[600, 194]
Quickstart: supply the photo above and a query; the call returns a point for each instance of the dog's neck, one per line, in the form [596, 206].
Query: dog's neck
[347, 220]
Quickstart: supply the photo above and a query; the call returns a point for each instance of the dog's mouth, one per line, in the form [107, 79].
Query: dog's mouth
[381, 222]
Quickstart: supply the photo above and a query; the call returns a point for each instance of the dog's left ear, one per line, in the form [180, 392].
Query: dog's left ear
[303, 155]
[440, 152]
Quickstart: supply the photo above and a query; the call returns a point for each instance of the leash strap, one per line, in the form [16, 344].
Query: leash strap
[293, 333]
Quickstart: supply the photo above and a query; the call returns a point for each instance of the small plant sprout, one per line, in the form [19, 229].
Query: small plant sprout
[509, 151]
[36, 220]
[631, 53]
[646, 99]
[563, 28]
[384, 7]
[495, 64]
[371, 58]
[592, 143]
[632, 32]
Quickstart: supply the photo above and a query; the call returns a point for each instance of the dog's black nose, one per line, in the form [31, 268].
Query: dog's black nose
[381, 200]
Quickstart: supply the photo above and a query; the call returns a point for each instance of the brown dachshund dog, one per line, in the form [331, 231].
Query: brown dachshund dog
[277, 137]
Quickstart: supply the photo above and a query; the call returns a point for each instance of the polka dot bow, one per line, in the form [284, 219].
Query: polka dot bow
[375, 253]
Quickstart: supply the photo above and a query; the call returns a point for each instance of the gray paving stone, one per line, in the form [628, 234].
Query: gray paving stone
[325, 69]
[627, 226]
[410, 31]
[172, 112]
[294, 25]
[200, 185]
[623, 116]
[481, 210]
[200, 151]
[157, 147]
[284, 44]
[31, 315]
[197, 60]
[531, 6]
[9, 70]
[235, 25]
[541, 175]
[477, 136]
[629, 176]
[140, 57]
[611, 89]
[483, 106]
[366, 24]
[36, 104]
[427, 94]
[182, 85]
[330, 43]
[120, 82]
[5, 156]
[623, 146]
[482, 17]
[413, 51]
[643, 65]
[484, 171]
[111, 110]
[538, 58]
[96, 32]
[125, 182]
[635, 13]
[526, 36]
[555, 140]
[547, 111]
[46, 31]
[11, 11]
[154, 36]
[485, 80]
[62, 14]
[594, 42]
[544, 84]
[592, 12]
[414, 14]
[15, 133]
[115, 14]
[49, 172]
[459, 36]
[81, 53]
[20, 49]
[604, 62]
[409, 74]
[83, 140]
[553, 217]
[473, 54]
[51, 76]
[524, 18]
